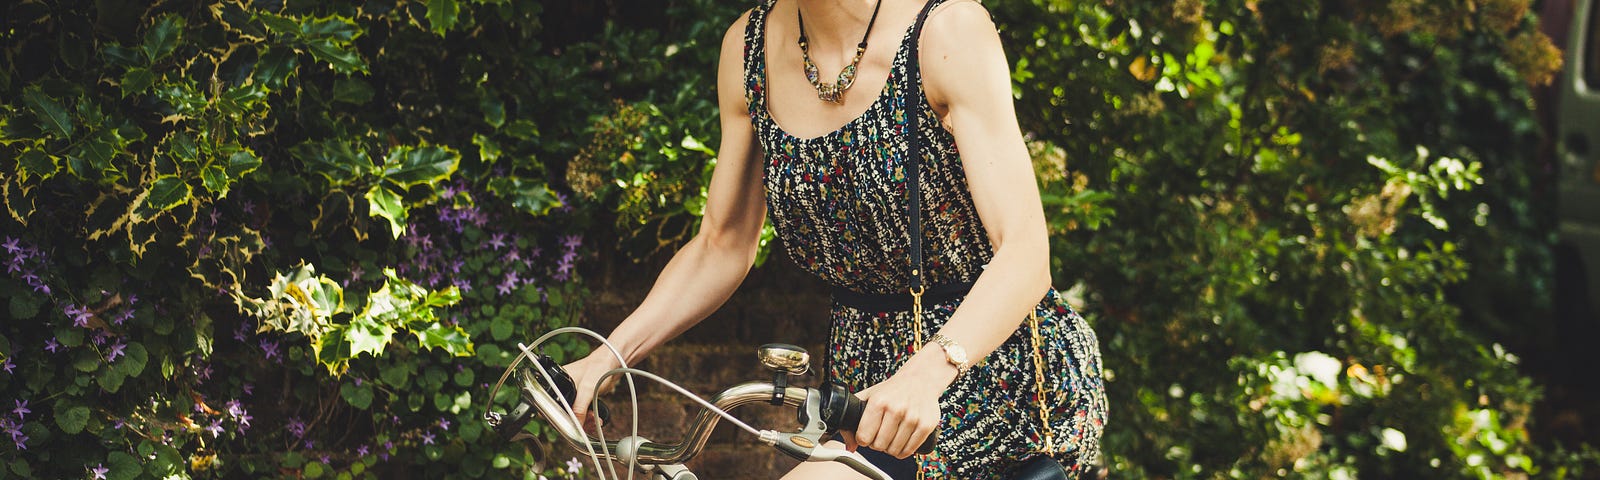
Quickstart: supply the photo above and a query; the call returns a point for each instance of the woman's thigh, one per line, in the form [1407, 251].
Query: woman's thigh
[824, 470]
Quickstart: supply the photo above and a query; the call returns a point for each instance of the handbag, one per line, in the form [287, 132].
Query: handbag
[1040, 467]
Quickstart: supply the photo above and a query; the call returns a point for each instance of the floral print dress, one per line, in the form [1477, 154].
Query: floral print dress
[838, 202]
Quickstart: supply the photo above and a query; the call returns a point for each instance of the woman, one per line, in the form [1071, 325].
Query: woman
[824, 156]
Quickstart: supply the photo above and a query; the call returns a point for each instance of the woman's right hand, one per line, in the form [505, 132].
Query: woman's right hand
[585, 373]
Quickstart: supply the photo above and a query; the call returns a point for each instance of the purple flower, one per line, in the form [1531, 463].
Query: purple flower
[20, 440]
[11, 245]
[234, 408]
[362, 451]
[100, 337]
[427, 438]
[215, 428]
[99, 471]
[22, 409]
[80, 315]
[270, 349]
[42, 288]
[310, 444]
[296, 427]
[51, 345]
[117, 424]
[573, 465]
[123, 317]
[564, 268]
[215, 215]
[133, 299]
[244, 421]
[572, 241]
[498, 241]
[116, 351]
[388, 445]
[249, 388]
[7, 365]
[325, 459]
[505, 288]
[204, 372]
[444, 423]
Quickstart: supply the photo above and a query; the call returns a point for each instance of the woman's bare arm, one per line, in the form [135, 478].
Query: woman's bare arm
[706, 271]
[967, 78]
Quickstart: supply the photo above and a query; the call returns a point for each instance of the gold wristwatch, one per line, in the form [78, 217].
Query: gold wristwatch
[953, 352]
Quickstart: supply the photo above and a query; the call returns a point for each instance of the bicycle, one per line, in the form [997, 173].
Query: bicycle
[546, 389]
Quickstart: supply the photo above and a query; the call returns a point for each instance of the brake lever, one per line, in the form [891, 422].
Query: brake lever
[806, 444]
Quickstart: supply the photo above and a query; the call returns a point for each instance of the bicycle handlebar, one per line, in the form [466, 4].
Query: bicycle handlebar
[831, 408]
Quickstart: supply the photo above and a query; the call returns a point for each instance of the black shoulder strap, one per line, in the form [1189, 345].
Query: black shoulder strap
[912, 102]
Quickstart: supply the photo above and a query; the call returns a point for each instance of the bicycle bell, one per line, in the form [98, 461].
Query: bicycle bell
[784, 358]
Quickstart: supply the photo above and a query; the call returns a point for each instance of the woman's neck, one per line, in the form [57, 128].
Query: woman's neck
[836, 23]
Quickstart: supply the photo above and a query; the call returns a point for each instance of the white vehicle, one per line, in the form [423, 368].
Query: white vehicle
[1578, 169]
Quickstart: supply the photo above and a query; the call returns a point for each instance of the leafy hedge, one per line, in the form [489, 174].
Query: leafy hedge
[297, 238]
[292, 238]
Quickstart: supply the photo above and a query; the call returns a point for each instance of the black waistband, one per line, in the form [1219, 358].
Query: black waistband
[894, 302]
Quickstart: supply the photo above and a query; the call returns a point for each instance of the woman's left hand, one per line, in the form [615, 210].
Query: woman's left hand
[902, 411]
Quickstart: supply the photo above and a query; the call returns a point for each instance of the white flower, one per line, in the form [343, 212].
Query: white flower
[1321, 367]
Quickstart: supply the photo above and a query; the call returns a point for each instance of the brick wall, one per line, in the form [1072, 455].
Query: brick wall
[776, 303]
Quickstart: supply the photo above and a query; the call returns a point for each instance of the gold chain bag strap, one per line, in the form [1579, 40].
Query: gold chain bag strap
[912, 103]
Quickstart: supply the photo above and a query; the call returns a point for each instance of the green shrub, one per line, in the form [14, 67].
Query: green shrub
[298, 238]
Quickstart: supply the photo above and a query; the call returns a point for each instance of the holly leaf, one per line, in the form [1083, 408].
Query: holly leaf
[136, 80]
[442, 15]
[529, 196]
[342, 60]
[452, 340]
[386, 203]
[367, 334]
[408, 166]
[168, 191]
[162, 38]
[50, 113]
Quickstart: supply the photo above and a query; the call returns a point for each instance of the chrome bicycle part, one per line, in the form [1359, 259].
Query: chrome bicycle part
[821, 411]
[784, 358]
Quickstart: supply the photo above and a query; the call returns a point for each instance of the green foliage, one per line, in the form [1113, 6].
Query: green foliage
[249, 239]
[1268, 207]
[266, 239]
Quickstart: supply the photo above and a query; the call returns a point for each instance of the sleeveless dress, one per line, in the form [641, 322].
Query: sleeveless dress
[838, 202]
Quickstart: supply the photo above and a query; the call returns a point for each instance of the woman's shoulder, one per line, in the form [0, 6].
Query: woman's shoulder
[954, 22]
[734, 38]
[960, 46]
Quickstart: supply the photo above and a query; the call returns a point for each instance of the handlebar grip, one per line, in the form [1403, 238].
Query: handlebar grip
[847, 409]
[566, 388]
